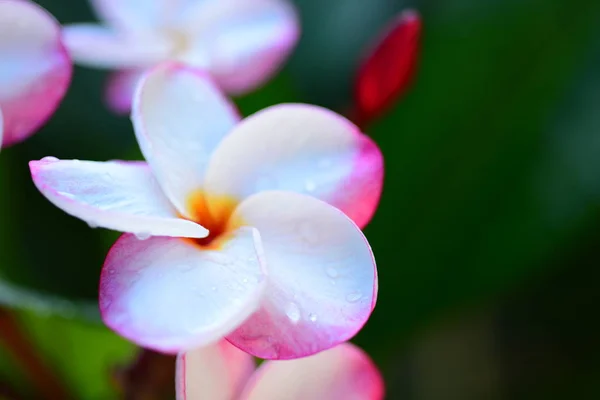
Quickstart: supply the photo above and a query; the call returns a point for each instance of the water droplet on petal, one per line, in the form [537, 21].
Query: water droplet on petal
[312, 317]
[142, 235]
[293, 312]
[67, 195]
[310, 186]
[49, 159]
[332, 272]
[92, 224]
[353, 297]
[308, 232]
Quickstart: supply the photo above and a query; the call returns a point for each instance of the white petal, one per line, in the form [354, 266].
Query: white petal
[304, 149]
[322, 277]
[245, 41]
[123, 196]
[216, 372]
[179, 117]
[344, 372]
[35, 69]
[170, 296]
[97, 46]
[136, 15]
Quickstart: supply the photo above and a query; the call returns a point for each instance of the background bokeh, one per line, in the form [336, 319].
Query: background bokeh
[487, 237]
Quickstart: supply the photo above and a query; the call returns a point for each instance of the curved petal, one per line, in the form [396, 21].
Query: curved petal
[300, 148]
[35, 71]
[168, 295]
[216, 372]
[120, 88]
[344, 372]
[97, 46]
[179, 116]
[136, 15]
[322, 282]
[123, 196]
[245, 41]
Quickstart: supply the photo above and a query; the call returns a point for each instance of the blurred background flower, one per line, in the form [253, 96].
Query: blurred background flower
[486, 236]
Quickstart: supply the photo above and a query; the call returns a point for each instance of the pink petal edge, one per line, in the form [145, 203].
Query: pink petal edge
[26, 113]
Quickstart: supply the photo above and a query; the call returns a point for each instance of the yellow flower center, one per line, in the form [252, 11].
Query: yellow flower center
[215, 214]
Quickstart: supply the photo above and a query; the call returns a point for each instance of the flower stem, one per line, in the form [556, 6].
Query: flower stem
[23, 351]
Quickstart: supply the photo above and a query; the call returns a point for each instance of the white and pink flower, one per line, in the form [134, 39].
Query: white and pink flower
[241, 43]
[250, 226]
[222, 372]
[35, 69]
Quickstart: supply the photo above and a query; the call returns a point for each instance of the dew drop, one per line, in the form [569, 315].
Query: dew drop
[332, 272]
[353, 297]
[142, 235]
[111, 271]
[310, 186]
[312, 317]
[67, 195]
[92, 224]
[293, 312]
[308, 232]
[49, 159]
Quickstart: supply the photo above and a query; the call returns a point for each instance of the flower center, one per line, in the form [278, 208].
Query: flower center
[213, 213]
[180, 41]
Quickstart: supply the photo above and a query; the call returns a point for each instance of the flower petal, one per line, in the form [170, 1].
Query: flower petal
[35, 70]
[120, 88]
[344, 372]
[170, 296]
[136, 15]
[179, 116]
[123, 196]
[97, 46]
[389, 68]
[322, 282]
[300, 148]
[246, 41]
[216, 372]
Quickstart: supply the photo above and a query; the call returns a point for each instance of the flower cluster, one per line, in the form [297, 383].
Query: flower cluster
[240, 232]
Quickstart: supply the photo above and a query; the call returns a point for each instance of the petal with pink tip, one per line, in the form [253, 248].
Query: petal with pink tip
[322, 282]
[169, 295]
[120, 88]
[246, 42]
[179, 116]
[35, 70]
[300, 148]
[136, 15]
[96, 46]
[123, 196]
[344, 372]
[216, 372]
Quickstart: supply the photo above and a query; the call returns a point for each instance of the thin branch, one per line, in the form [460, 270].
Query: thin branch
[23, 351]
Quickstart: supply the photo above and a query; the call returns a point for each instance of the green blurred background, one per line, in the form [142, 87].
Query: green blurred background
[486, 238]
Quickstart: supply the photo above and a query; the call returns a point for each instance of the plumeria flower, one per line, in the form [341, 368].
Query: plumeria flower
[222, 372]
[240, 42]
[250, 227]
[35, 69]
